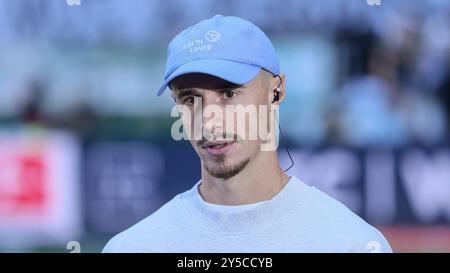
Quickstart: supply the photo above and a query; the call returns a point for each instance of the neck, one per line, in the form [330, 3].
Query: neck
[251, 185]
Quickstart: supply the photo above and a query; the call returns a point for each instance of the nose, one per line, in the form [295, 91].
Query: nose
[212, 114]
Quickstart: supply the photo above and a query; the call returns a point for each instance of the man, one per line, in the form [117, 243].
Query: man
[244, 201]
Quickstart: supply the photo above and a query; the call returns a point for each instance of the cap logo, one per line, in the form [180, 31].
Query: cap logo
[200, 45]
[212, 36]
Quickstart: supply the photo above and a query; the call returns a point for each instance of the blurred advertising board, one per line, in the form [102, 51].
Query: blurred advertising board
[39, 187]
[122, 183]
[405, 186]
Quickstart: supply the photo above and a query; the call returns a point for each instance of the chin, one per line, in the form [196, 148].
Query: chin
[224, 169]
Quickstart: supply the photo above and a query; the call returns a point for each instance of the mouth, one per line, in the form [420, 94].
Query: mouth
[217, 147]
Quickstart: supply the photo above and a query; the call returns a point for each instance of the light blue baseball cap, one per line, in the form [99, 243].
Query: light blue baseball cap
[227, 47]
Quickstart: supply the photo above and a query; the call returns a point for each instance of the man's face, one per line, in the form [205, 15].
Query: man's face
[224, 152]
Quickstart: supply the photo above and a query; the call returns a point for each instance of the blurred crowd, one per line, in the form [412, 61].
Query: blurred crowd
[356, 74]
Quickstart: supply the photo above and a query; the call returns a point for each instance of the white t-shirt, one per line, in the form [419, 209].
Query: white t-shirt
[299, 218]
[226, 209]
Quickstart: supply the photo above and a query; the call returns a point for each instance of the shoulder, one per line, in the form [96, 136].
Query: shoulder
[344, 229]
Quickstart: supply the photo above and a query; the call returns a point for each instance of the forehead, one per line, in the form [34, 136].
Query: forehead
[202, 81]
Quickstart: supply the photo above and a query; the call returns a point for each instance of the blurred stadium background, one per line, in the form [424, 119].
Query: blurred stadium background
[85, 146]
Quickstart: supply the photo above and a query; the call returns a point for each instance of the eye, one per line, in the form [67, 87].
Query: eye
[229, 94]
[189, 100]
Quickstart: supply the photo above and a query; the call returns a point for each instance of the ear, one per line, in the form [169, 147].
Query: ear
[280, 87]
[172, 94]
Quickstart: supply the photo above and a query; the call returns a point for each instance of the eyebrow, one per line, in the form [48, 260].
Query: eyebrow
[181, 93]
[186, 92]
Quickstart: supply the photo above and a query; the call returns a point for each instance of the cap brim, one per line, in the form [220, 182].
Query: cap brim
[235, 72]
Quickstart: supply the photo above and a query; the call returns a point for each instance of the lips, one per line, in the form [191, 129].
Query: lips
[217, 147]
[216, 143]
